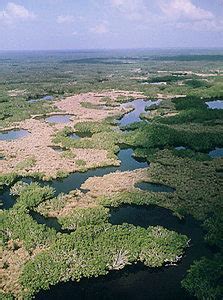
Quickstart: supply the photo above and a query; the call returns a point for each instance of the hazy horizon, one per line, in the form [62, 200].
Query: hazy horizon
[29, 25]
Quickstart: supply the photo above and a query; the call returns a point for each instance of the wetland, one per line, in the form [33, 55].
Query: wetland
[117, 193]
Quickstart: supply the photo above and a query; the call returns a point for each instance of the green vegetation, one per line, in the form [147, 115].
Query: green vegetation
[80, 162]
[94, 247]
[7, 180]
[96, 135]
[204, 278]
[85, 216]
[92, 251]
[196, 83]
[156, 135]
[27, 163]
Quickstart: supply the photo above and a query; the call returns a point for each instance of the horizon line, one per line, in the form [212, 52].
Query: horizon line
[114, 49]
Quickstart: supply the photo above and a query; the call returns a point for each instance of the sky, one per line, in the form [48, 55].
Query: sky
[110, 24]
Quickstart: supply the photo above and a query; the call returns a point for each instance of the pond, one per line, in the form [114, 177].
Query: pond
[137, 281]
[139, 106]
[13, 134]
[75, 180]
[78, 135]
[217, 152]
[180, 148]
[6, 199]
[155, 83]
[44, 98]
[216, 104]
[58, 119]
[74, 136]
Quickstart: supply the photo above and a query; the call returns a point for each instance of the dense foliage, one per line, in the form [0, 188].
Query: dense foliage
[43, 256]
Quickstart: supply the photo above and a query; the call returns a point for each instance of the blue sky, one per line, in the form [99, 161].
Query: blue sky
[90, 24]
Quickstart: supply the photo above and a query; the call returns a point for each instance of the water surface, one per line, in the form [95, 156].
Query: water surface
[216, 104]
[137, 282]
[139, 106]
[75, 180]
[180, 148]
[44, 98]
[58, 119]
[78, 135]
[217, 152]
[13, 134]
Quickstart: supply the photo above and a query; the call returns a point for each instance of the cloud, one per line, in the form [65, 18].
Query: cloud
[183, 14]
[202, 25]
[14, 12]
[184, 9]
[100, 28]
[65, 19]
[132, 9]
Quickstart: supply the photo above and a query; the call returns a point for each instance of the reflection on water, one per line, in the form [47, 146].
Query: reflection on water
[216, 104]
[180, 148]
[139, 107]
[78, 135]
[13, 134]
[135, 282]
[138, 282]
[58, 119]
[217, 152]
[75, 180]
[45, 98]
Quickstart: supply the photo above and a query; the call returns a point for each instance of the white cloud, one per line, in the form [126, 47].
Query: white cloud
[132, 9]
[100, 28]
[202, 25]
[183, 14]
[14, 12]
[65, 19]
[184, 9]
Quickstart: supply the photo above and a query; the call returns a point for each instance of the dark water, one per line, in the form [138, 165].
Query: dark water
[13, 134]
[135, 282]
[58, 148]
[6, 200]
[45, 98]
[217, 104]
[78, 135]
[74, 136]
[49, 222]
[154, 187]
[217, 152]
[138, 282]
[139, 108]
[180, 148]
[76, 179]
[58, 119]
